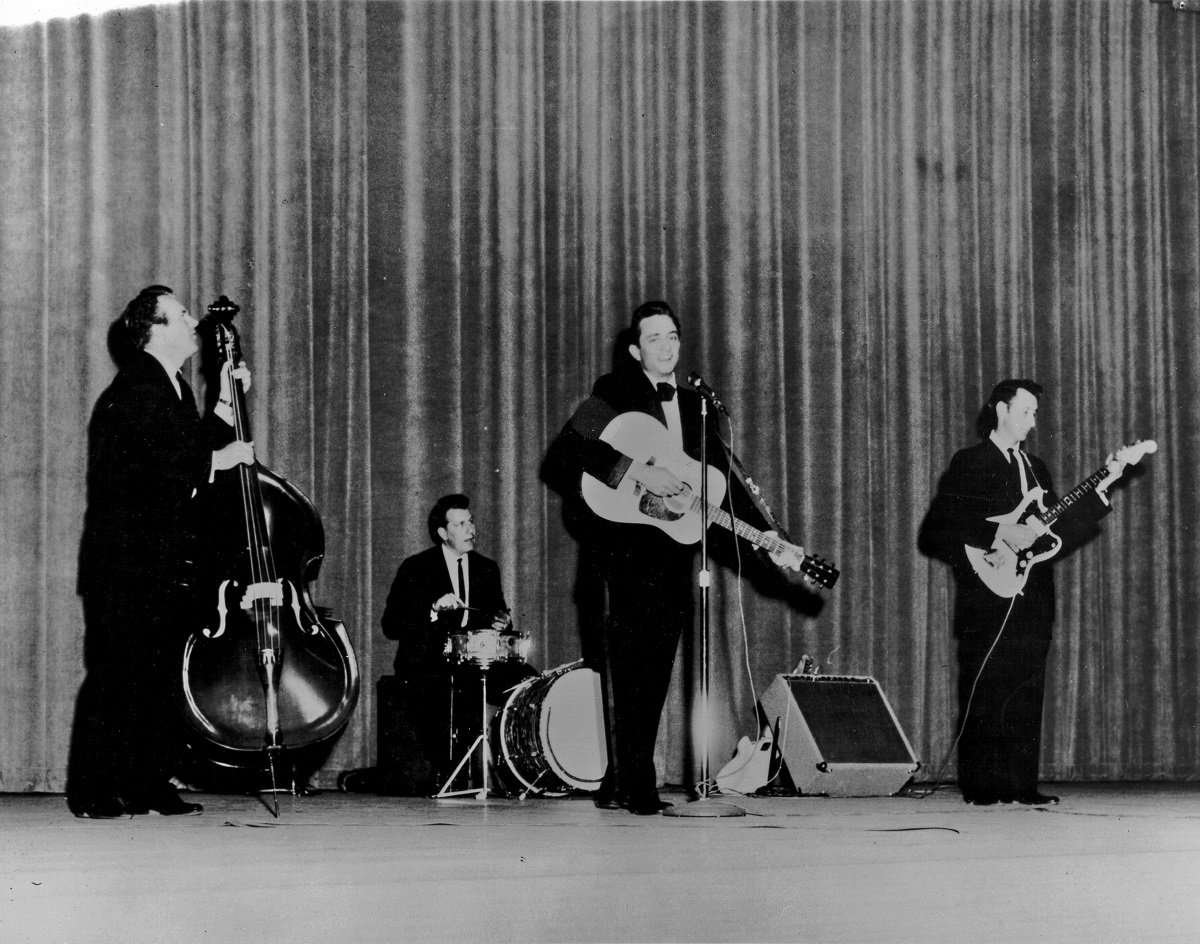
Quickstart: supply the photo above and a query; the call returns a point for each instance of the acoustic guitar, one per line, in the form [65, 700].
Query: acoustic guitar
[644, 439]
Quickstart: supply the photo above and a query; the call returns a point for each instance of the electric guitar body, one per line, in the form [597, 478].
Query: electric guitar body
[1004, 568]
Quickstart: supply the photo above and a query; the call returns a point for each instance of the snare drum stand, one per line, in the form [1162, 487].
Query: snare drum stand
[482, 791]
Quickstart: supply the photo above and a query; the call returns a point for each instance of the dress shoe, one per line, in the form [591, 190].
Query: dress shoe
[363, 780]
[1037, 799]
[604, 797]
[981, 800]
[165, 801]
[104, 807]
[645, 806]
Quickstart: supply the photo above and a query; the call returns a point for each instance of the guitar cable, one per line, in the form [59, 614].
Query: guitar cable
[936, 782]
[1023, 459]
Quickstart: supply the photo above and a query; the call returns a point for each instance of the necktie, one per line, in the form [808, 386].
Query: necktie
[1020, 470]
[185, 393]
[462, 592]
[666, 391]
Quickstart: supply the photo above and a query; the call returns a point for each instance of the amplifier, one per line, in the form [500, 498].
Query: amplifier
[838, 735]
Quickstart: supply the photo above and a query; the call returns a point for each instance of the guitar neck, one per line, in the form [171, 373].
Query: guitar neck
[721, 517]
[1078, 493]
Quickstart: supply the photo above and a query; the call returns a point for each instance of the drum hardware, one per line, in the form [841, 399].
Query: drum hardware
[482, 648]
[481, 792]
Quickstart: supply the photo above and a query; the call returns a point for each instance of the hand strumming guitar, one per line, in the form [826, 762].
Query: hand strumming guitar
[656, 479]
[1016, 536]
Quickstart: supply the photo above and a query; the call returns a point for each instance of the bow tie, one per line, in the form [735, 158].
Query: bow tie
[666, 391]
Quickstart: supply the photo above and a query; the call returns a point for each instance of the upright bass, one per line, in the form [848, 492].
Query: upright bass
[268, 679]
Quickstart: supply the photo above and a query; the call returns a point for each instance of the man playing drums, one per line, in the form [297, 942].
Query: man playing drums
[446, 609]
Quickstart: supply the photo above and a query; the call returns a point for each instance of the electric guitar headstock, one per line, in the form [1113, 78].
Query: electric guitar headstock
[1126, 455]
[1132, 454]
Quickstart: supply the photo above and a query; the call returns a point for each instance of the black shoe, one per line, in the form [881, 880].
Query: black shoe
[645, 806]
[605, 796]
[981, 800]
[1037, 799]
[165, 801]
[104, 807]
[363, 780]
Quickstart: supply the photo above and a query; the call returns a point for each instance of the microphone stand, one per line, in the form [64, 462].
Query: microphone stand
[702, 805]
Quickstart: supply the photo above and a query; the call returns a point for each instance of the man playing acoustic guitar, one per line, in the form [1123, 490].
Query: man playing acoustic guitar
[648, 574]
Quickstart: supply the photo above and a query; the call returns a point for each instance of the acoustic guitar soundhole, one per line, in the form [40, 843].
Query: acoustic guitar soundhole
[654, 506]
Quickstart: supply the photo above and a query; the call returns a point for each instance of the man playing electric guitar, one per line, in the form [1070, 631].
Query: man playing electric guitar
[648, 575]
[1003, 640]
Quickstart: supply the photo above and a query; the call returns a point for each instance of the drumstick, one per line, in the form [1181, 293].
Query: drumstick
[458, 606]
[472, 609]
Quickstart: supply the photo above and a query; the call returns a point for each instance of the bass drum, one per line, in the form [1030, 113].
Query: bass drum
[551, 732]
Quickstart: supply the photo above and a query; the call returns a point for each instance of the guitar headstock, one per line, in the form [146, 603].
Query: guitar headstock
[1132, 454]
[819, 572]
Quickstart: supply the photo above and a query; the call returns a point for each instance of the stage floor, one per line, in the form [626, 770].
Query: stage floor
[1111, 863]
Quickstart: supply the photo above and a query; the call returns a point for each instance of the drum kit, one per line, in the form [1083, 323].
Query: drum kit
[549, 735]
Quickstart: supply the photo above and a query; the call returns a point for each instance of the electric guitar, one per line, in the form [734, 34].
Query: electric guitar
[1004, 569]
[644, 439]
[750, 767]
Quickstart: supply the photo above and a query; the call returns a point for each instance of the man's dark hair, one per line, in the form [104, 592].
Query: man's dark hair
[437, 515]
[1005, 390]
[649, 310]
[142, 312]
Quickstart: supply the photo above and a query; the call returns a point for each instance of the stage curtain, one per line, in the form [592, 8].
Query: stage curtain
[437, 217]
[219, 149]
[866, 215]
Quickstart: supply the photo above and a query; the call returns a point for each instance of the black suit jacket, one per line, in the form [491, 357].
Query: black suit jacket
[981, 483]
[148, 461]
[421, 580]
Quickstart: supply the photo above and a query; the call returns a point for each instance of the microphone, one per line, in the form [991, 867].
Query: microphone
[697, 383]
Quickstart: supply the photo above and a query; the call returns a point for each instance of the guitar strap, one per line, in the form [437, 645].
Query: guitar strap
[752, 490]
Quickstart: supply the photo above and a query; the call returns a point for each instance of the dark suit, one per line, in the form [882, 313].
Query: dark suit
[149, 458]
[428, 682]
[648, 576]
[1000, 689]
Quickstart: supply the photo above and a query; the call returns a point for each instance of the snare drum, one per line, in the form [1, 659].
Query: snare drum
[551, 732]
[485, 646]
